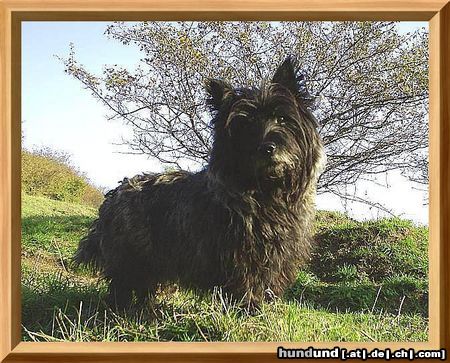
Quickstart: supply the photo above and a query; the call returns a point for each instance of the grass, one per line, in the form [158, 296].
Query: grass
[340, 296]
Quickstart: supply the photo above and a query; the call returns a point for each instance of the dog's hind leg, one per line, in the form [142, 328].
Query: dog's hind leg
[144, 287]
[120, 294]
[145, 293]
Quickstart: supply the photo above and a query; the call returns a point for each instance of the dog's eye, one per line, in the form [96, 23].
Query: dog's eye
[280, 120]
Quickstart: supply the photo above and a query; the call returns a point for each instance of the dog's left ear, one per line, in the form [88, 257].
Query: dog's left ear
[289, 75]
[286, 75]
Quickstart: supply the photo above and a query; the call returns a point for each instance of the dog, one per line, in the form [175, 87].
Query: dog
[243, 223]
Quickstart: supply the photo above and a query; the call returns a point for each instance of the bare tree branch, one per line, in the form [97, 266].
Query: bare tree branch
[370, 83]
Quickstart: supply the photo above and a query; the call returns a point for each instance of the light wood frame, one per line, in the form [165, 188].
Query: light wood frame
[12, 12]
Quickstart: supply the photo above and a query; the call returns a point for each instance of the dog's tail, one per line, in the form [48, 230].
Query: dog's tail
[89, 252]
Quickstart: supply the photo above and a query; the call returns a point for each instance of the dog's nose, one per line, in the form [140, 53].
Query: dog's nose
[267, 148]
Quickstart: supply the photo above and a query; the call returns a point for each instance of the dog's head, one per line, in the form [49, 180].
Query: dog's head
[264, 138]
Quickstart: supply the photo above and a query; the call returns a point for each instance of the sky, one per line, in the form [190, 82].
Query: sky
[58, 113]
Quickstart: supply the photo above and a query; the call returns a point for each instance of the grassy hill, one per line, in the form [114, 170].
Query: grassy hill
[366, 282]
[50, 173]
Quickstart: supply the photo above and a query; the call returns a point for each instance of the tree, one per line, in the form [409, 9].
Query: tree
[370, 88]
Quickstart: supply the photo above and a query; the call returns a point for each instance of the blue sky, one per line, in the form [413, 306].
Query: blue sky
[58, 113]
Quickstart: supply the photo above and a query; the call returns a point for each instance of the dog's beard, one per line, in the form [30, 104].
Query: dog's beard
[270, 171]
[276, 167]
[270, 176]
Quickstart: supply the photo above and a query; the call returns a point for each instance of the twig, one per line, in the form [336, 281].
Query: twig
[199, 329]
[376, 299]
[60, 255]
[367, 335]
[400, 308]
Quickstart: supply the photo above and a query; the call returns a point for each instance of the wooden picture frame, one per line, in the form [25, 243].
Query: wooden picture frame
[13, 12]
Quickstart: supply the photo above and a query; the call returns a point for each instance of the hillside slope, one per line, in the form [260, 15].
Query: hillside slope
[50, 173]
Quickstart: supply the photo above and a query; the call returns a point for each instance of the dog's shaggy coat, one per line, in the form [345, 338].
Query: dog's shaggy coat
[243, 223]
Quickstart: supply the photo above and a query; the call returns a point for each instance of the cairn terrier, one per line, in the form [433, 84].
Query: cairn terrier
[243, 223]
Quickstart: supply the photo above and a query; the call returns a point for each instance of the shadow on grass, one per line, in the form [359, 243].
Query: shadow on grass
[39, 307]
[81, 314]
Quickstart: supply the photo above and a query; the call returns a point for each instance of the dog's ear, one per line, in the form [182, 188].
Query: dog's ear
[286, 75]
[289, 75]
[219, 93]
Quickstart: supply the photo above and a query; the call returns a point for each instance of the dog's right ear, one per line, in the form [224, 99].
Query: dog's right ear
[220, 93]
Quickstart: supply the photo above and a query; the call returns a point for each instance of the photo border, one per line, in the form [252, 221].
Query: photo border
[13, 12]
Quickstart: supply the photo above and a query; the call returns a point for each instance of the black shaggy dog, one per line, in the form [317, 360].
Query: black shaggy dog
[243, 223]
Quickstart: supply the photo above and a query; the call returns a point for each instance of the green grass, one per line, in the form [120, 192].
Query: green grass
[49, 225]
[341, 296]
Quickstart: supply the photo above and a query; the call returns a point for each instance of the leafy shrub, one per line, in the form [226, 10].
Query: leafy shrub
[49, 173]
